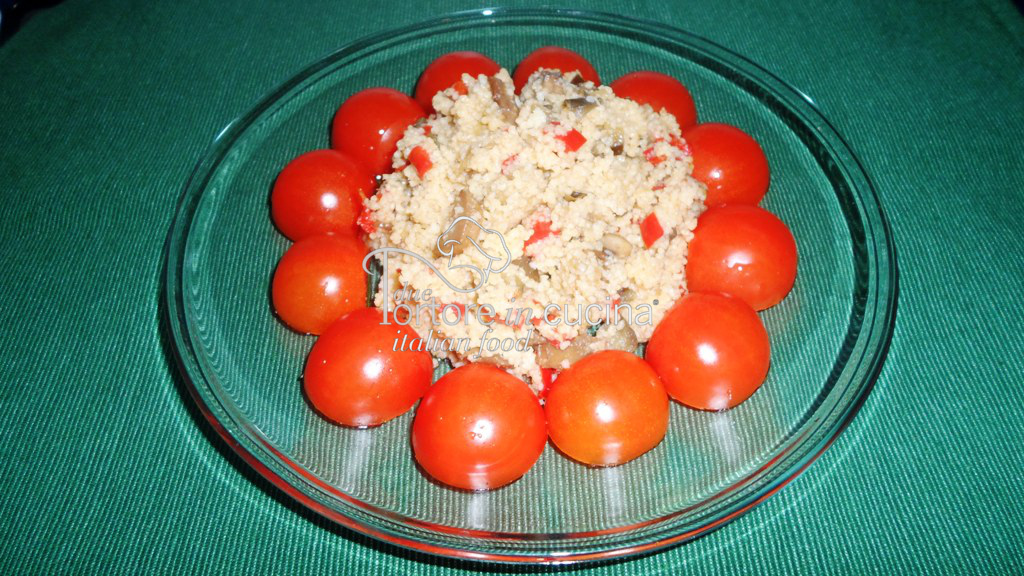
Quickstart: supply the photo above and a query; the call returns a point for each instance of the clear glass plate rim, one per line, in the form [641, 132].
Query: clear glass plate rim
[877, 232]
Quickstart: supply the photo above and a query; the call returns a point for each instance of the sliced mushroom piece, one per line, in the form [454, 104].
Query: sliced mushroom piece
[531, 273]
[627, 295]
[524, 263]
[576, 79]
[501, 97]
[535, 339]
[463, 231]
[473, 354]
[616, 245]
[580, 106]
[618, 336]
[624, 309]
[551, 356]
[618, 143]
[550, 82]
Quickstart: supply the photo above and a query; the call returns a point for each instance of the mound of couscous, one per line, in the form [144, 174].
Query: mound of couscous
[545, 225]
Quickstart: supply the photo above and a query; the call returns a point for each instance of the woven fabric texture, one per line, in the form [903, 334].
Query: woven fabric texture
[105, 466]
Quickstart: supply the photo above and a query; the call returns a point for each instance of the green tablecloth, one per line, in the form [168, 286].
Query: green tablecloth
[105, 106]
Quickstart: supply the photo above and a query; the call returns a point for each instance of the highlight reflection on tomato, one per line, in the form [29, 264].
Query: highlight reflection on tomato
[711, 351]
[355, 377]
[478, 428]
[318, 280]
[369, 125]
[745, 251]
[730, 162]
[607, 409]
[320, 192]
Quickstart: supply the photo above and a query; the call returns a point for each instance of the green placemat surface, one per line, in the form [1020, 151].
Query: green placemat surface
[105, 466]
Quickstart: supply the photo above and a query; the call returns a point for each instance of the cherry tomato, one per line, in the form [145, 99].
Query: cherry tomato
[730, 162]
[355, 377]
[710, 350]
[661, 92]
[445, 71]
[478, 428]
[607, 409]
[553, 57]
[369, 125]
[320, 192]
[745, 251]
[318, 280]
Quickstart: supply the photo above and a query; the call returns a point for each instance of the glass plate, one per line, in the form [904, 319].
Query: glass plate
[829, 337]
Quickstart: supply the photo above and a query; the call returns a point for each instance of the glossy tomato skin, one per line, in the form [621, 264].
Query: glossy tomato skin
[660, 91]
[320, 192]
[369, 125]
[711, 351]
[607, 409]
[318, 280]
[354, 375]
[745, 251]
[553, 57]
[448, 69]
[730, 162]
[478, 428]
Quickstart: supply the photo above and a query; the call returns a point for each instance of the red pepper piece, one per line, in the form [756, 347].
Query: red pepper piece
[365, 222]
[651, 230]
[541, 230]
[547, 377]
[654, 160]
[419, 158]
[573, 140]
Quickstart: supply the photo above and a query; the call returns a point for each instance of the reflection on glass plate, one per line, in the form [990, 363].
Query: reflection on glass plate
[829, 336]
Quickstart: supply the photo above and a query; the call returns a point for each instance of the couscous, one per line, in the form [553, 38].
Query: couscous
[563, 183]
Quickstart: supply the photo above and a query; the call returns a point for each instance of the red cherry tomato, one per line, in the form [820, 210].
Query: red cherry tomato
[745, 251]
[553, 57]
[478, 428]
[355, 377]
[660, 91]
[369, 125]
[607, 409]
[318, 280]
[445, 71]
[710, 350]
[320, 192]
[730, 162]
